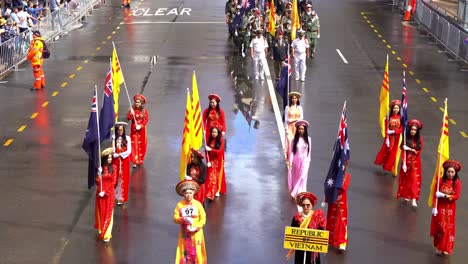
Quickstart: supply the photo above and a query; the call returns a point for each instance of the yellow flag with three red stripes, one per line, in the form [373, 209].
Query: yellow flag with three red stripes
[186, 137]
[198, 130]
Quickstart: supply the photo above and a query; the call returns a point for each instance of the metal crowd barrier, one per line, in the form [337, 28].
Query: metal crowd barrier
[13, 52]
[443, 26]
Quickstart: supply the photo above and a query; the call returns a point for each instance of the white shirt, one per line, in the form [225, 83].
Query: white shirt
[258, 45]
[23, 19]
[300, 46]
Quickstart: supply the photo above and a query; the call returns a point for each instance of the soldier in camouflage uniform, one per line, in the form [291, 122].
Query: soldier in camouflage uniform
[243, 36]
[286, 25]
[231, 10]
[311, 26]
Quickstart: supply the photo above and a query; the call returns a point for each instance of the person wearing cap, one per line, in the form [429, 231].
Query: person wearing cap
[191, 217]
[122, 146]
[337, 215]
[389, 154]
[286, 25]
[311, 25]
[213, 115]
[8, 33]
[196, 170]
[300, 52]
[139, 116]
[105, 196]
[409, 181]
[299, 159]
[444, 201]
[36, 48]
[310, 219]
[280, 47]
[258, 51]
[216, 176]
[292, 113]
[242, 36]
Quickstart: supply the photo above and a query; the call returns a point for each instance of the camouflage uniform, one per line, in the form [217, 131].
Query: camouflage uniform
[311, 26]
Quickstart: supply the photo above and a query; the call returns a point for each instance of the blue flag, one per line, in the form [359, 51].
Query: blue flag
[91, 143]
[107, 116]
[238, 19]
[282, 86]
[341, 154]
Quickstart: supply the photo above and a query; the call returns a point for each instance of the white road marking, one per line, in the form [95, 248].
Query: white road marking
[276, 109]
[342, 57]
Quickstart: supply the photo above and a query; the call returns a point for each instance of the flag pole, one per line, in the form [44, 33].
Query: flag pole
[125, 85]
[404, 131]
[440, 153]
[99, 135]
[387, 139]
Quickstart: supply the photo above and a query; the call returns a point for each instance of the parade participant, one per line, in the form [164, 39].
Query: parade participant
[446, 193]
[35, 56]
[122, 145]
[105, 196]
[279, 52]
[286, 25]
[138, 115]
[312, 28]
[307, 218]
[300, 52]
[389, 150]
[213, 115]
[299, 159]
[216, 178]
[191, 217]
[409, 183]
[125, 3]
[258, 49]
[196, 170]
[242, 36]
[292, 113]
[337, 216]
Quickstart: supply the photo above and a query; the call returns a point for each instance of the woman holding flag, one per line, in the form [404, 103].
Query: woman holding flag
[122, 146]
[389, 152]
[409, 182]
[138, 115]
[105, 196]
[216, 180]
[213, 115]
[307, 218]
[446, 193]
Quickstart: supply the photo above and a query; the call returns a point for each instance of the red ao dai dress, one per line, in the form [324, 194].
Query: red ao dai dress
[139, 138]
[388, 155]
[104, 207]
[123, 170]
[215, 178]
[409, 182]
[337, 217]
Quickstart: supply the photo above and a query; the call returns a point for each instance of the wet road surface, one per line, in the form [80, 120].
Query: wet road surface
[47, 214]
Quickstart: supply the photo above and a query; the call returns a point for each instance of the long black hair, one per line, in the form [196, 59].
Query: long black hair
[290, 101]
[305, 136]
[124, 135]
[455, 178]
[104, 163]
[217, 139]
[209, 109]
[410, 138]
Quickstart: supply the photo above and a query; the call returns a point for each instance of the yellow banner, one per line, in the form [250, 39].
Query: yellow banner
[306, 239]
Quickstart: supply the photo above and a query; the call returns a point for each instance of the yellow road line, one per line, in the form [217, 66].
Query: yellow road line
[411, 72]
[433, 99]
[418, 81]
[103, 42]
[98, 48]
[64, 84]
[463, 134]
[398, 58]
[368, 21]
[34, 115]
[372, 26]
[79, 68]
[364, 17]
[376, 31]
[452, 121]
[109, 37]
[113, 32]
[404, 65]
[388, 46]
[393, 52]
[441, 109]
[384, 41]
[86, 61]
[21, 128]
[55, 93]
[72, 76]
[8, 142]
[379, 35]
[425, 89]
[121, 23]
[118, 27]
[45, 104]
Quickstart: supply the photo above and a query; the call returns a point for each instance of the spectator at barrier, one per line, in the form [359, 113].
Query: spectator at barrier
[55, 13]
[23, 18]
[14, 16]
[35, 12]
[8, 31]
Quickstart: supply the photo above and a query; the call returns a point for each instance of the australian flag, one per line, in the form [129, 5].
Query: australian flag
[247, 5]
[404, 105]
[91, 143]
[341, 155]
[107, 116]
[282, 85]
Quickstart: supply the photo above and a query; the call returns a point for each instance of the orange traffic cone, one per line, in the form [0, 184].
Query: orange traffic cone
[407, 16]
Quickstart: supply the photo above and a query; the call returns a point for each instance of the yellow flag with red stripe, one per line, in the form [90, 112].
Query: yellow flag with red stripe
[272, 19]
[295, 22]
[117, 80]
[197, 134]
[186, 137]
[443, 154]
[384, 100]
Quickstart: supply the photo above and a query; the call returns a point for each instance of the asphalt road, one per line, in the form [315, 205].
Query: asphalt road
[47, 212]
